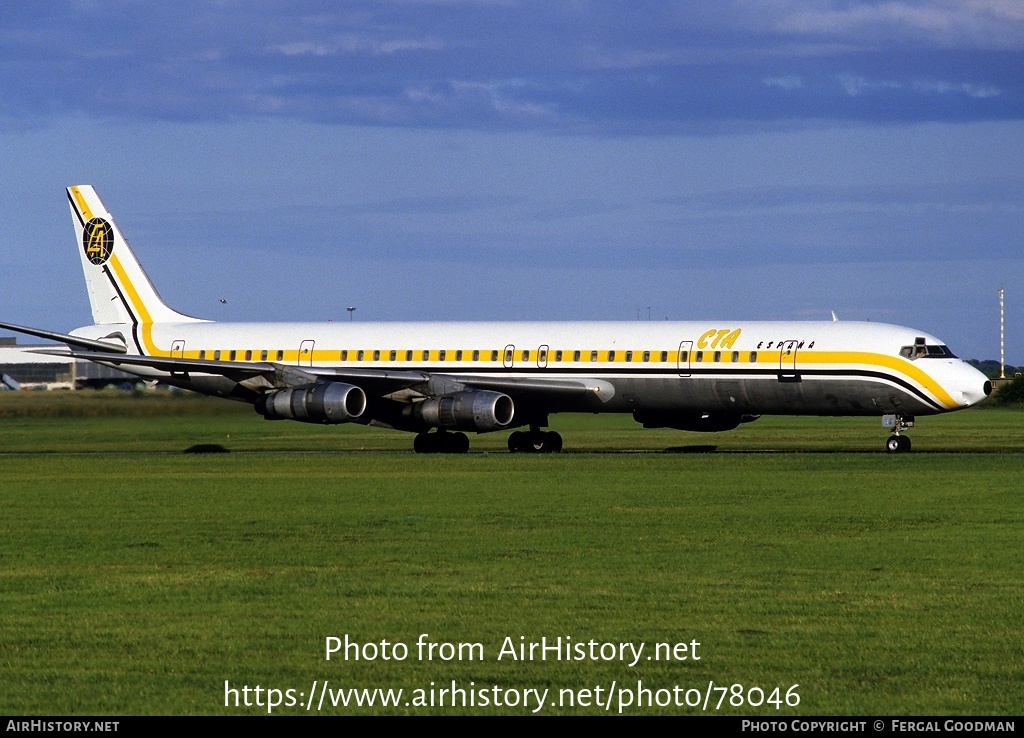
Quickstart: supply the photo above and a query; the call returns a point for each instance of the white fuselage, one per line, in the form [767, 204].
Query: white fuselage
[818, 368]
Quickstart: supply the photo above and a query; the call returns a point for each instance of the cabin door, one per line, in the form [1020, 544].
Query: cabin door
[787, 361]
[306, 353]
[683, 358]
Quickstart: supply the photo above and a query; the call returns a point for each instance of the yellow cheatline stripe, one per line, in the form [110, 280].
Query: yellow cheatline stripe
[896, 364]
[140, 308]
[86, 211]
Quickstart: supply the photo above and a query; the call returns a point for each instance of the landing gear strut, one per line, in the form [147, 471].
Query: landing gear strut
[535, 441]
[441, 442]
[897, 444]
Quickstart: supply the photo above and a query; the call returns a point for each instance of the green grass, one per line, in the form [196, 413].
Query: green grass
[135, 579]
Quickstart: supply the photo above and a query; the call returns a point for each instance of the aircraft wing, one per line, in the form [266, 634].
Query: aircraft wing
[374, 381]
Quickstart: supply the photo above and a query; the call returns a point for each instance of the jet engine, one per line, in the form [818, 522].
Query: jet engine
[701, 422]
[473, 410]
[326, 402]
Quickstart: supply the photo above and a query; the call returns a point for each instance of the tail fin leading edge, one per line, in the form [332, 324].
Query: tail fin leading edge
[119, 290]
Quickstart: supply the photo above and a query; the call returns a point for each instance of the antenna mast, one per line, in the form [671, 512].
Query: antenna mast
[1002, 344]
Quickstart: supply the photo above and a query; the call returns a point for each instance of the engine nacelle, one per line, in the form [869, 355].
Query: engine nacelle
[326, 402]
[700, 422]
[479, 410]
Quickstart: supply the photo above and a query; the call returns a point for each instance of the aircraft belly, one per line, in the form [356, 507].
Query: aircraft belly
[762, 395]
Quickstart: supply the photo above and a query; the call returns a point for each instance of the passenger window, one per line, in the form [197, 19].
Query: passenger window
[216, 355]
[426, 355]
[542, 355]
[231, 355]
[664, 355]
[248, 354]
[202, 354]
[476, 355]
[558, 355]
[526, 354]
[508, 356]
[359, 355]
[280, 355]
[735, 356]
[494, 355]
[458, 355]
[611, 356]
[344, 354]
[575, 355]
[684, 356]
[408, 355]
[376, 354]
[700, 356]
[753, 357]
[718, 356]
[647, 355]
[593, 356]
[629, 356]
[263, 355]
[393, 355]
[441, 354]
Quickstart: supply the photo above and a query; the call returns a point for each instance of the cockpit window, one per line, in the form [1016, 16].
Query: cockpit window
[923, 351]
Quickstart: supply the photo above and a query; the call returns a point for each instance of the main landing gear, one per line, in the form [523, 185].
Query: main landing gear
[897, 444]
[534, 441]
[441, 442]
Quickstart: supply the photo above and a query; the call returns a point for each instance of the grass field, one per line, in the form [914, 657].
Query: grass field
[136, 579]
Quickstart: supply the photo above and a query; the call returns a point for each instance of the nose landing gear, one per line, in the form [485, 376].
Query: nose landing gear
[897, 444]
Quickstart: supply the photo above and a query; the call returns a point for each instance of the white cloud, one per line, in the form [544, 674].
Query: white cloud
[790, 82]
[856, 85]
[964, 88]
[986, 24]
[356, 44]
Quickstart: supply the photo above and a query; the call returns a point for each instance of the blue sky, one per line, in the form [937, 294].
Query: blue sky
[533, 160]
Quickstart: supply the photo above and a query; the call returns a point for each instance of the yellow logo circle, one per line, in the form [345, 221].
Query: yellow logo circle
[98, 240]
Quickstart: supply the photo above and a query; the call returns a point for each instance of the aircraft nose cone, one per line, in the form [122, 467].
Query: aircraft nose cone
[975, 388]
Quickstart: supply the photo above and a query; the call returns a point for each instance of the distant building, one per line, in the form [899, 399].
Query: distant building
[33, 371]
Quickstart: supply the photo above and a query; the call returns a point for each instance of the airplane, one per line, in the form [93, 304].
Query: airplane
[443, 379]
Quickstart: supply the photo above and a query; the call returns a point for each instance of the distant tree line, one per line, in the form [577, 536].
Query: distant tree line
[990, 368]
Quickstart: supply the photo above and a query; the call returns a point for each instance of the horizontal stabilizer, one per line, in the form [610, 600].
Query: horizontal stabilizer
[86, 343]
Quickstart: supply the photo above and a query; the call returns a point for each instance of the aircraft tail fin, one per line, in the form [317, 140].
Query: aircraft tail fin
[119, 290]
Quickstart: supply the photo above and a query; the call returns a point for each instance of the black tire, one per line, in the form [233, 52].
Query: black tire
[516, 442]
[458, 443]
[554, 442]
[894, 445]
[423, 443]
[905, 442]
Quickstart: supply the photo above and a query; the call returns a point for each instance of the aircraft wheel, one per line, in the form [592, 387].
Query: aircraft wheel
[517, 442]
[897, 444]
[458, 443]
[537, 443]
[423, 444]
[554, 442]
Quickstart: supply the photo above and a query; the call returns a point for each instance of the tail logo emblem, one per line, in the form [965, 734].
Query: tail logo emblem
[98, 241]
